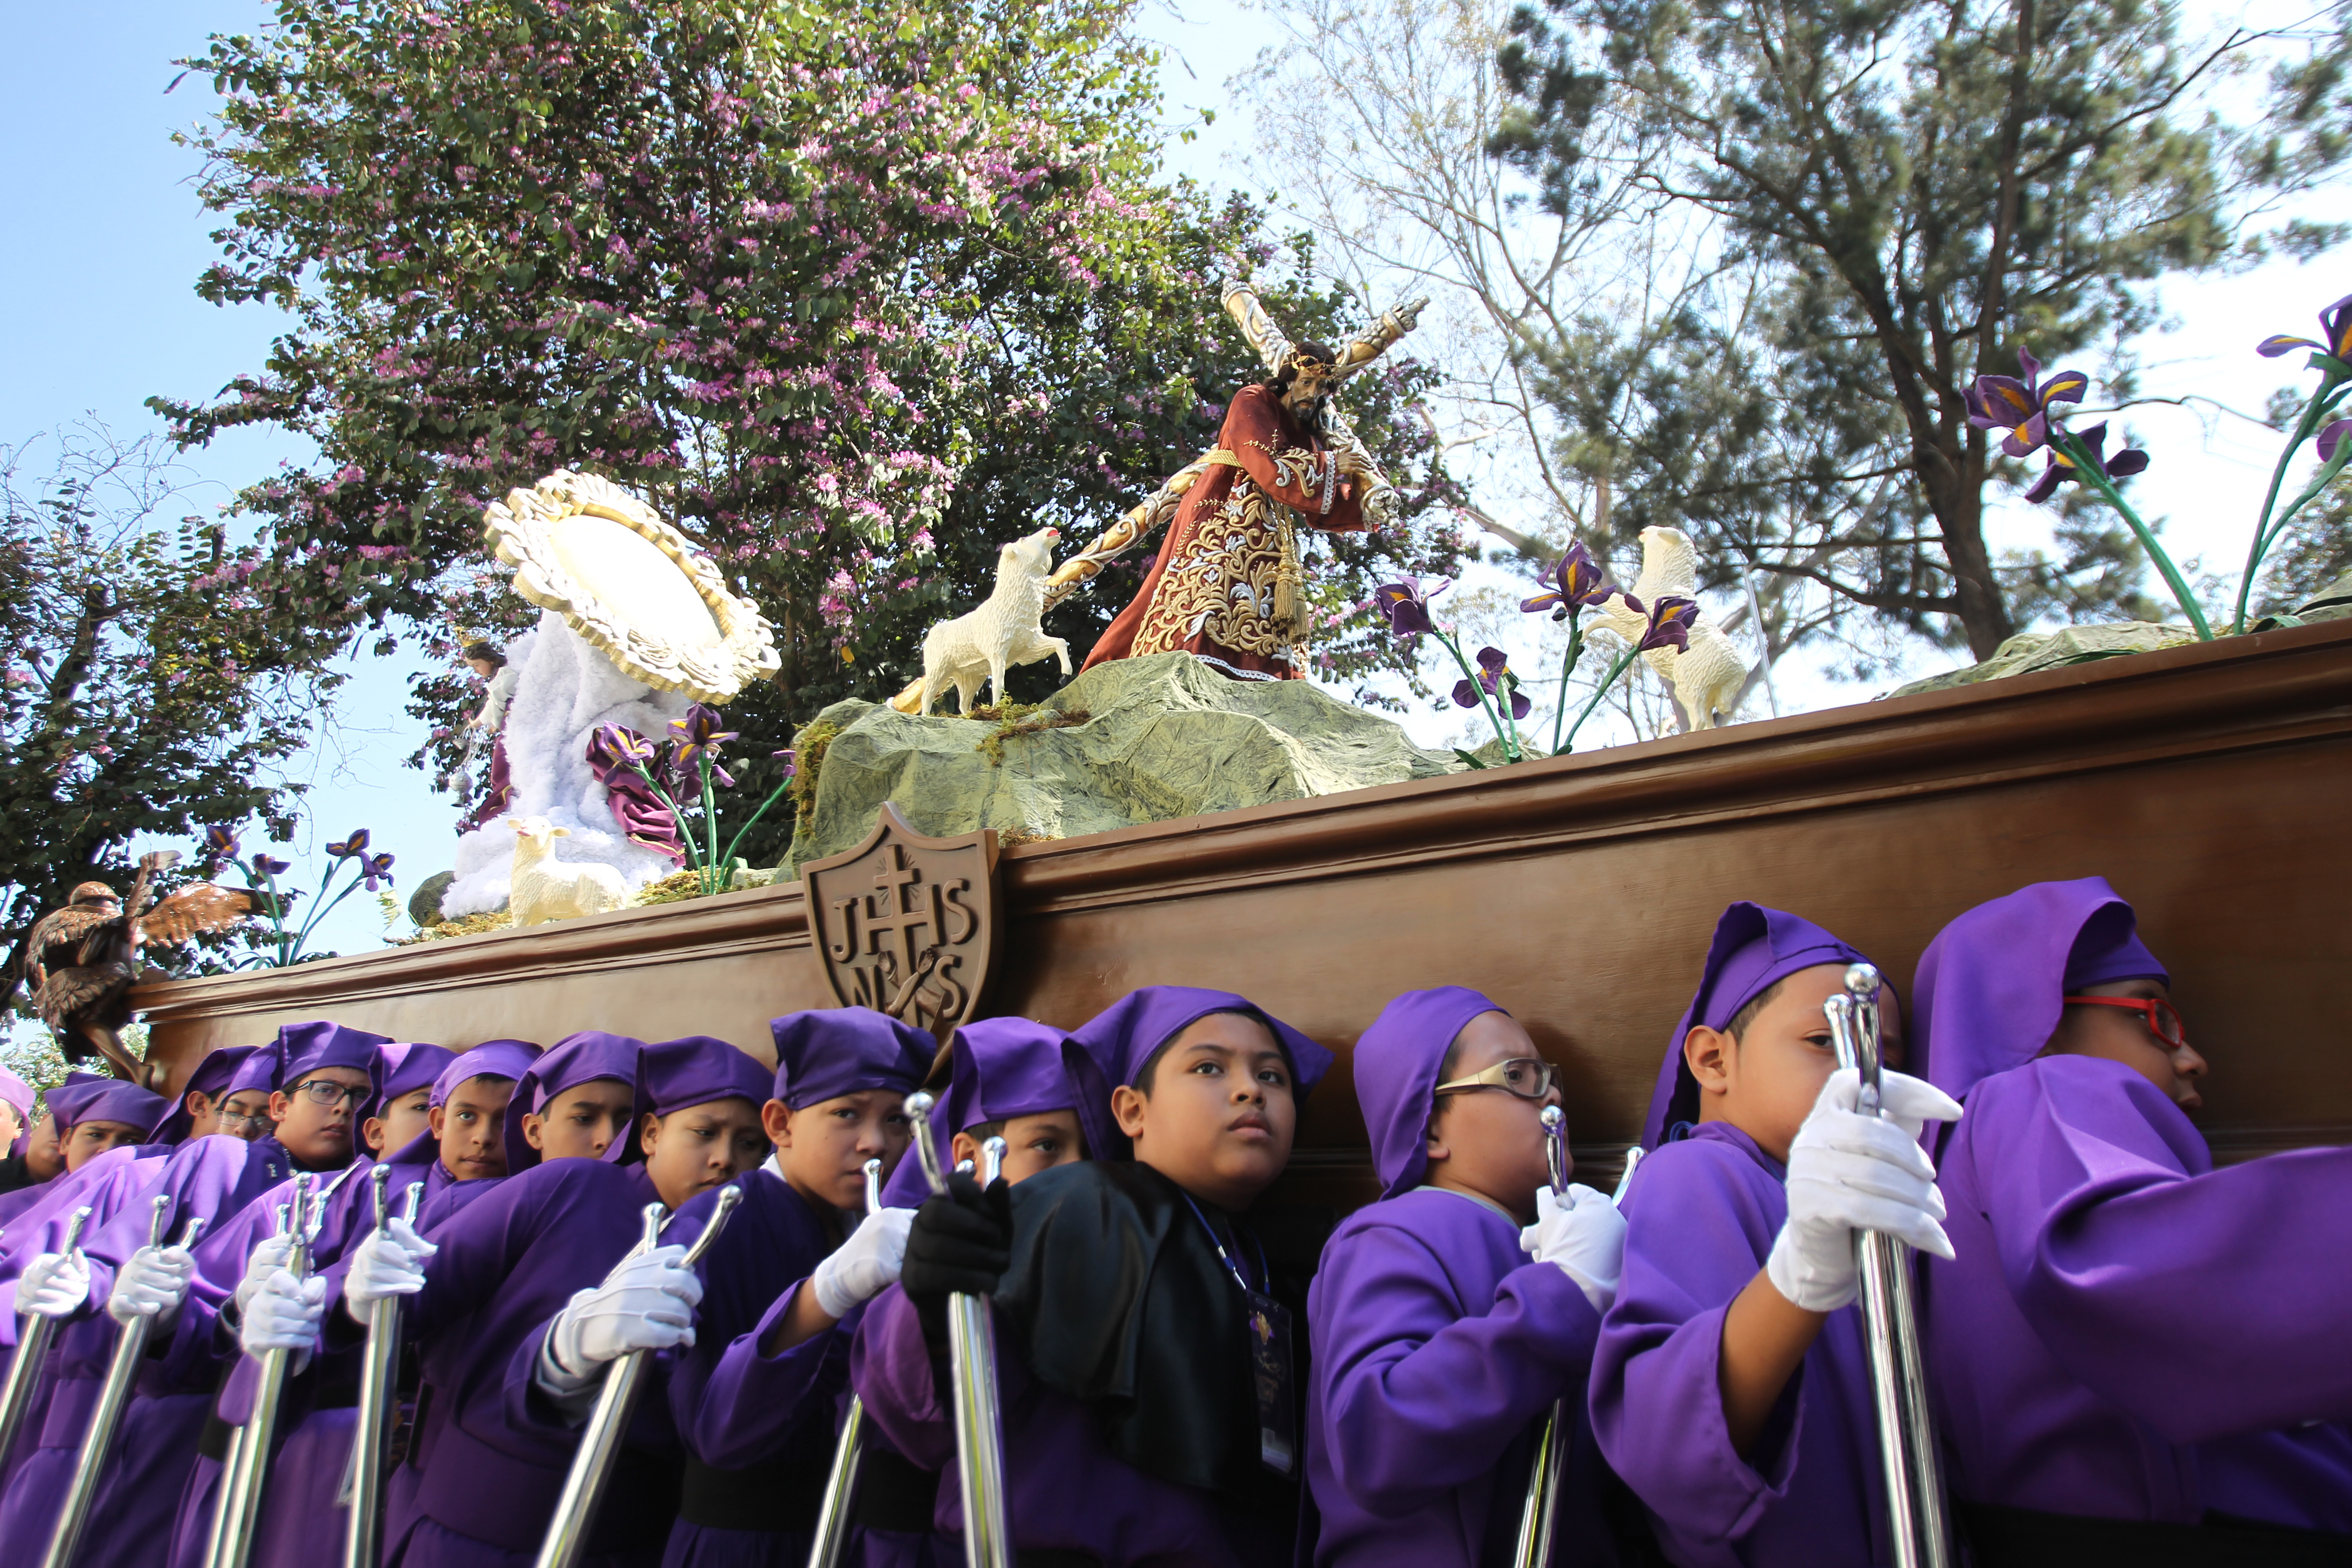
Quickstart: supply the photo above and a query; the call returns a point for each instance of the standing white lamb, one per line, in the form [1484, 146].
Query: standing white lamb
[543, 889]
[1001, 634]
[1708, 674]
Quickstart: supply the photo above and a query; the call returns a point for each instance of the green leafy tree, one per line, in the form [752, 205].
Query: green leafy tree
[1896, 196]
[150, 686]
[854, 293]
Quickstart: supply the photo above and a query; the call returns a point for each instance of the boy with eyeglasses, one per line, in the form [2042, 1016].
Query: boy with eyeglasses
[2136, 1356]
[1730, 1389]
[1439, 1346]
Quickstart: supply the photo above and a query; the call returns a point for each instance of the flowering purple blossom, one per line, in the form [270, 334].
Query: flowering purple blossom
[1576, 581]
[2022, 410]
[1495, 678]
[2062, 467]
[1406, 604]
[355, 844]
[2336, 322]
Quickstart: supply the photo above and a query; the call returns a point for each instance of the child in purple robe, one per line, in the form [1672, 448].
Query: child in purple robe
[1144, 1353]
[404, 1108]
[1439, 1348]
[2135, 1357]
[1730, 1388]
[577, 1101]
[520, 1302]
[16, 1125]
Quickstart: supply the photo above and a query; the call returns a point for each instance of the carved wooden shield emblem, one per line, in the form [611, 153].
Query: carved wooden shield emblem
[908, 925]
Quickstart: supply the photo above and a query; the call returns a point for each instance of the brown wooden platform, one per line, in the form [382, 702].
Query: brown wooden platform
[2212, 784]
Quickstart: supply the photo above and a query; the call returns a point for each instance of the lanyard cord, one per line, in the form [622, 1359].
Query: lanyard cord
[1226, 1258]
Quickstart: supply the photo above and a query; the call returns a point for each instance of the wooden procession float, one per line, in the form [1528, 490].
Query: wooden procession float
[2207, 783]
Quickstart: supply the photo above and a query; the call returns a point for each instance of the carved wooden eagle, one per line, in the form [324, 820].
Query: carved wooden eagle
[83, 960]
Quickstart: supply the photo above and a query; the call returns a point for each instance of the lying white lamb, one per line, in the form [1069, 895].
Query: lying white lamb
[1001, 634]
[544, 888]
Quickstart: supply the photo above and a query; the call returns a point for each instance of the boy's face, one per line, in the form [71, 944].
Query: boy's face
[88, 1140]
[582, 1123]
[699, 1147]
[400, 1122]
[1764, 1082]
[1221, 1115]
[246, 1114]
[43, 1158]
[822, 1148]
[1488, 1141]
[320, 1135]
[1032, 1143]
[2120, 1035]
[472, 1127]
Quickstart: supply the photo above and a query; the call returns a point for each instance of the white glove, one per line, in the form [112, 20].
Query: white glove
[284, 1316]
[1585, 1235]
[866, 1265]
[645, 1304]
[1847, 1172]
[54, 1284]
[152, 1285]
[268, 1259]
[389, 1262]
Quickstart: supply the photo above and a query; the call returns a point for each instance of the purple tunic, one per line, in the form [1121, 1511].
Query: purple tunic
[764, 1424]
[490, 1455]
[1438, 1348]
[1063, 1489]
[1700, 1218]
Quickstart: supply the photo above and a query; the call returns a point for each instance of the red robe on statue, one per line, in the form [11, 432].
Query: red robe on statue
[1211, 592]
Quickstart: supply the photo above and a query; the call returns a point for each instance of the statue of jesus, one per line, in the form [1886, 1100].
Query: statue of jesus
[1226, 586]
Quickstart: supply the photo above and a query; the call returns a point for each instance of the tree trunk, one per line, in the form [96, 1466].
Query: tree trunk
[1955, 492]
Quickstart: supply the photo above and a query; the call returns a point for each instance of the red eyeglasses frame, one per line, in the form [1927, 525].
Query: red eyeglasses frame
[2152, 1010]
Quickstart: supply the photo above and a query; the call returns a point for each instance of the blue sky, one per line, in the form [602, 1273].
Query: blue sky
[110, 237]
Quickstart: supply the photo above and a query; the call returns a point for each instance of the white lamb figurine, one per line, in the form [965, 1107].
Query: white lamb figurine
[544, 888]
[1706, 675]
[1001, 633]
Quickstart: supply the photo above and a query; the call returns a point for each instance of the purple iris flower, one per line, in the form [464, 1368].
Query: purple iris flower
[1576, 581]
[1496, 679]
[376, 868]
[791, 760]
[1671, 619]
[264, 866]
[695, 733]
[2130, 460]
[2336, 322]
[220, 844]
[2021, 410]
[355, 844]
[2330, 436]
[1406, 604]
[614, 744]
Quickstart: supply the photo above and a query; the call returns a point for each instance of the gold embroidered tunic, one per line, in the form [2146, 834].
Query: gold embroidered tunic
[1217, 589]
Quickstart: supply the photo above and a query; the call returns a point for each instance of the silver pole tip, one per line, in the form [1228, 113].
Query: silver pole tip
[918, 1105]
[1552, 1116]
[1862, 980]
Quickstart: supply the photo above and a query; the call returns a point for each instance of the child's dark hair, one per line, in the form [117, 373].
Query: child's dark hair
[488, 652]
[1747, 1015]
[1144, 1075]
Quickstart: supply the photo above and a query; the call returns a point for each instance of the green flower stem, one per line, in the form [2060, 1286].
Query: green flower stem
[1511, 743]
[2089, 469]
[2265, 533]
[1567, 669]
[711, 828]
[1617, 668]
[777, 793]
[2325, 478]
[677, 817]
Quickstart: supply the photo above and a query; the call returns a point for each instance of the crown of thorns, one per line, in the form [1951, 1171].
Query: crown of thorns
[1303, 363]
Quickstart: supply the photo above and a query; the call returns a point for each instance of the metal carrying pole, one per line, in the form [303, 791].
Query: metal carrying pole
[972, 1363]
[1907, 1433]
[608, 1423]
[363, 1488]
[32, 1353]
[129, 1349]
[849, 1449]
[1541, 1509]
[250, 1466]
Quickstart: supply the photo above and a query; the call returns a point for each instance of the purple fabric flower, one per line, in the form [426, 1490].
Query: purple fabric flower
[355, 844]
[1406, 604]
[695, 734]
[2021, 410]
[789, 759]
[2336, 322]
[2130, 460]
[1671, 619]
[2330, 435]
[1576, 581]
[613, 744]
[1496, 679]
[374, 869]
[220, 844]
[264, 866]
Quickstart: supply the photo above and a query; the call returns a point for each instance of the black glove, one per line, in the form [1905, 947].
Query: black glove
[962, 1240]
